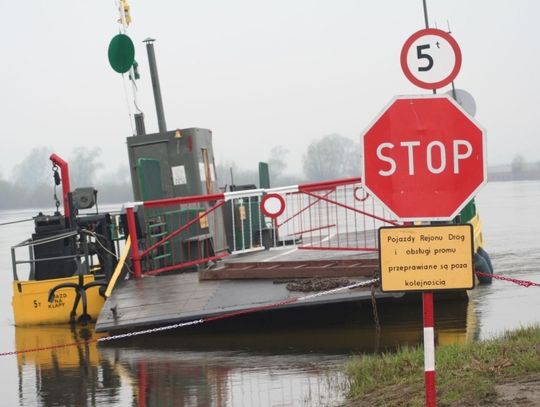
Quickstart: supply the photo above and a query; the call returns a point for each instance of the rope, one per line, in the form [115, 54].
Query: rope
[372, 282]
[16, 221]
[199, 321]
[523, 283]
[64, 345]
[147, 331]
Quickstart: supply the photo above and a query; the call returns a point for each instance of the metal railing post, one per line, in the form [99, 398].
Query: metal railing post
[250, 224]
[14, 264]
[32, 275]
[233, 225]
[135, 256]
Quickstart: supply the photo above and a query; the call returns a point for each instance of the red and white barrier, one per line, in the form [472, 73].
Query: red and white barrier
[429, 349]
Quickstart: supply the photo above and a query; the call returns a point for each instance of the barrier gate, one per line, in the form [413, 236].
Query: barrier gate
[186, 232]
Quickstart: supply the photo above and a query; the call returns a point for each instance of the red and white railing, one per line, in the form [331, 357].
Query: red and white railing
[332, 215]
[185, 232]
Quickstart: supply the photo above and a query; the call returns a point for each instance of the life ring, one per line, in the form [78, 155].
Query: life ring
[482, 263]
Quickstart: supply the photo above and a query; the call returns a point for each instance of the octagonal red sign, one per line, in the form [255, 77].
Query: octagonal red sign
[424, 158]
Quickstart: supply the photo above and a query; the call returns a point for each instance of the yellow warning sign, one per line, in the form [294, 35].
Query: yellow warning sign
[426, 258]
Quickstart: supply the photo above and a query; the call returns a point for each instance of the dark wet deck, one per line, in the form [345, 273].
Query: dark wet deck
[239, 282]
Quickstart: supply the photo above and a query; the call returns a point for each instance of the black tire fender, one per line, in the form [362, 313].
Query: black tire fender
[486, 257]
[482, 265]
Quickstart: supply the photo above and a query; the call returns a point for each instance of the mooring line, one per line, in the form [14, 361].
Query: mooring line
[201, 320]
[63, 345]
[152, 330]
[292, 300]
[523, 283]
[16, 221]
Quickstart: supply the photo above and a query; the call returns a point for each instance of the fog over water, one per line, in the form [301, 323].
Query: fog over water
[258, 74]
[275, 363]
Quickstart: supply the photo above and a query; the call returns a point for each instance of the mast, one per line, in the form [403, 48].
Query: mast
[138, 118]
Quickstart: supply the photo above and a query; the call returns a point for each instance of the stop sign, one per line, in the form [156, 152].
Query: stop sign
[424, 157]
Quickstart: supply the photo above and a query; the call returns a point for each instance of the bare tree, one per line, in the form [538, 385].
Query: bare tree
[34, 170]
[277, 163]
[518, 166]
[333, 156]
[83, 165]
[6, 191]
[115, 177]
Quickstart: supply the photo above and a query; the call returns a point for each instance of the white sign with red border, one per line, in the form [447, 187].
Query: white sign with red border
[431, 58]
[272, 205]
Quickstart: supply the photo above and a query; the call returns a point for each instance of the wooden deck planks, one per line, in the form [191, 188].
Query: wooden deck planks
[290, 269]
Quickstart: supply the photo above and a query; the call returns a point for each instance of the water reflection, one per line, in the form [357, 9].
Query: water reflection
[329, 329]
[220, 378]
[63, 375]
[290, 357]
[281, 358]
[272, 361]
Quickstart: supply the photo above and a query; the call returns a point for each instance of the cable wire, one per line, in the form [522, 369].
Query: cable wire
[16, 221]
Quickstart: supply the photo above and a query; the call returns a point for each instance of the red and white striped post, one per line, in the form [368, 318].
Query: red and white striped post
[429, 345]
[429, 349]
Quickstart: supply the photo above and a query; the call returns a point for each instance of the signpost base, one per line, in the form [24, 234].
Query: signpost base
[429, 349]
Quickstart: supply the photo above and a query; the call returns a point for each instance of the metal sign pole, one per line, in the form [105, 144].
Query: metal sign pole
[429, 349]
[426, 21]
[427, 304]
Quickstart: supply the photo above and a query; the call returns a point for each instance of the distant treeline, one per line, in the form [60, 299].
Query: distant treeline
[518, 170]
[31, 184]
[510, 176]
[42, 196]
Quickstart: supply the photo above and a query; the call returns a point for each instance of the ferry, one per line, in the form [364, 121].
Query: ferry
[189, 248]
[200, 255]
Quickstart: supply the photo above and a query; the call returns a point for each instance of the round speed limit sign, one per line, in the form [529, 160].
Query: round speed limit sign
[431, 58]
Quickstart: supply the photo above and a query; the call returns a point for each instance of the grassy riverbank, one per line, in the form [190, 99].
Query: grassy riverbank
[501, 371]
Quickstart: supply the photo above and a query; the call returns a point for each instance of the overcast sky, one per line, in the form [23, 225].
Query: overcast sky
[258, 73]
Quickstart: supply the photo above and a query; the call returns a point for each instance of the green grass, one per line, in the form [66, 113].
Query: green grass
[465, 373]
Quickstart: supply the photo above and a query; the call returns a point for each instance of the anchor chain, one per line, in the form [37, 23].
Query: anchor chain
[376, 314]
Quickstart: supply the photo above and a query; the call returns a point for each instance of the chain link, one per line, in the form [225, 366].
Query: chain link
[375, 319]
[523, 283]
[57, 181]
[371, 282]
[232, 314]
[335, 290]
[149, 331]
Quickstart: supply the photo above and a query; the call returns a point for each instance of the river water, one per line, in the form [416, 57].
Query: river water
[283, 360]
